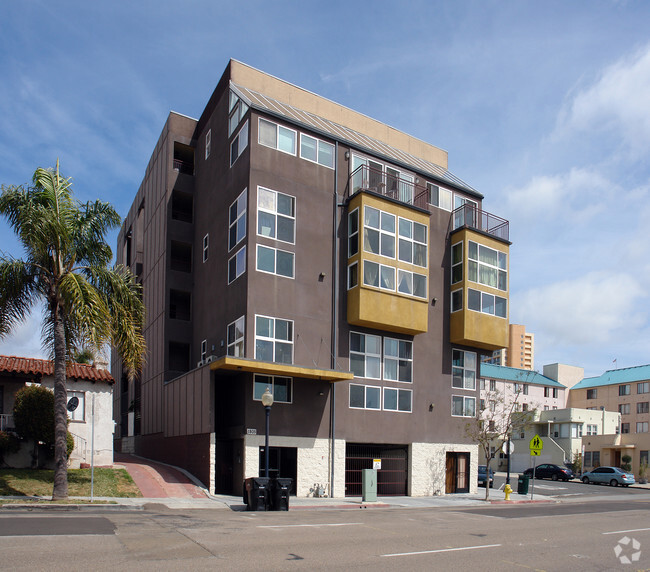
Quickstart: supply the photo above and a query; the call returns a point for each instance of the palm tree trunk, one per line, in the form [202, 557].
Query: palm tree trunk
[60, 412]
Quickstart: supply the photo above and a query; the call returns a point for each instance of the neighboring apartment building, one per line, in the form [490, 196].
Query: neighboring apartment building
[520, 352]
[626, 391]
[285, 241]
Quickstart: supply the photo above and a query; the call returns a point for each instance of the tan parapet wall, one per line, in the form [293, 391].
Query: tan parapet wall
[253, 79]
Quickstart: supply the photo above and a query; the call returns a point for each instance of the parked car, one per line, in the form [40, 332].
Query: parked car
[482, 476]
[612, 475]
[549, 471]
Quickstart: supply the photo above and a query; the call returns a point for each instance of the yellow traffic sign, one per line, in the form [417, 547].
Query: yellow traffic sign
[536, 445]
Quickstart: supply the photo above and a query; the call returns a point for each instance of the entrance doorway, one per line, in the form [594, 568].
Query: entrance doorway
[283, 462]
[457, 474]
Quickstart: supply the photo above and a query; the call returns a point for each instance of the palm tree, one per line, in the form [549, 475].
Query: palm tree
[86, 303]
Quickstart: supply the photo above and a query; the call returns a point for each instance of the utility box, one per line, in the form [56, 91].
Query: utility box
[369, 485]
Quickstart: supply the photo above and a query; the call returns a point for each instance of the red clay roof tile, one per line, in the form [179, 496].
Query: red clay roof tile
[12, 364]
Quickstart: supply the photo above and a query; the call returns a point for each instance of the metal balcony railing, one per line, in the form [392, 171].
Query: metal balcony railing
[469, 216]
[184, 167]
[365, 178]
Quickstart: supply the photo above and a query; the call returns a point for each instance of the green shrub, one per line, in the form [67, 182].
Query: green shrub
[625, 465]
[8, 444]
[34, 413]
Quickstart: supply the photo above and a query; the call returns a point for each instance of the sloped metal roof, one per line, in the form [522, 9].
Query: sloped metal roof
[616, 376]
[43, 367]
[492, 371]
[353, 138]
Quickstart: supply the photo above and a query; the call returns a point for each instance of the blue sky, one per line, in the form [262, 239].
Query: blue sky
[544, 107]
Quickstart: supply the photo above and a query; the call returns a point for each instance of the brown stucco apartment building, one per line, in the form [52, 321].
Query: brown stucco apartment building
[285, 241]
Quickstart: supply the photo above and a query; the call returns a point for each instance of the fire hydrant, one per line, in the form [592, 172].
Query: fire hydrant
[507, 490]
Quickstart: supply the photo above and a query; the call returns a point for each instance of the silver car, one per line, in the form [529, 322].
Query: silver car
[611, 475]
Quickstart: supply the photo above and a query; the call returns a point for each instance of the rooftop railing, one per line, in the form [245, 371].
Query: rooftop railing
[184, 167]
[469, 216]
[366, 178]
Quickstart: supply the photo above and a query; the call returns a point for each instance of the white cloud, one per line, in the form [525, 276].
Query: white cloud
[25, 339]
[590, 309]
[616, 104]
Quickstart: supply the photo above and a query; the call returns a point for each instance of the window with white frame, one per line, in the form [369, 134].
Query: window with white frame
[398, 360]
[463, 370]
[641, 426]
[365, 397]
[353, 233]
[353, 275]
[379, 232]
[493, 385]
[273, 339]
[237, 221]
[457, 300]
[204, 350]
[486, 303]
[592, 429]
[275, 261]
[398, 399]
[206, 247]
[439, 197]
[456, 262]
[316, 151]
[237, 110]
[208, 143]
[411, 283]
[79, 414]
[624, 408]
[465, 216]
[462, 406]
[412, 243]
[365, 355]
[238, 144]
[236, 338]
[237, 265]
[643, 387]
[379, 275]
[276, 215]
[487, 266]
[277, 136]
[279, 386]
[555, 392]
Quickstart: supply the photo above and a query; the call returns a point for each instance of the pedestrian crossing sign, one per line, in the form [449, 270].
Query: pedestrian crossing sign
[536, 445]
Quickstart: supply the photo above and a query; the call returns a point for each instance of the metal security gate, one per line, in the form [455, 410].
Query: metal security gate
[392, 478]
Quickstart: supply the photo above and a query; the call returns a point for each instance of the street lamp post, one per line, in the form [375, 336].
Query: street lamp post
[267, 401]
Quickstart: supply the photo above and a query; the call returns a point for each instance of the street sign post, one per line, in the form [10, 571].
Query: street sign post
[536, 445]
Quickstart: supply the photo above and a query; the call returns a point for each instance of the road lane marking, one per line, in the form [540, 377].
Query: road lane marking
[441, 550]
[622, 531]
[310, 525]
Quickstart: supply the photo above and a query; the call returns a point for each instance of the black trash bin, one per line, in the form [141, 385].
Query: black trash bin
[522, 484]
[256, 491]
[280, 488]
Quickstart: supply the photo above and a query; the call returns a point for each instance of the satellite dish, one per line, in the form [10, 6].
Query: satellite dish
[73, 403]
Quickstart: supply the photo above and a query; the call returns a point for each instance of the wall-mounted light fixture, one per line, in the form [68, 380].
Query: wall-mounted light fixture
[433, 301]
[347, 155]
[431, 406]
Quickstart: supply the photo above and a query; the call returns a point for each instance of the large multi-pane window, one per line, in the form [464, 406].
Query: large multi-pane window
[463, 370]
[353, 233]
[624, 389]
[411, 283]
[236, 338]
[365, 397]
[624, 408]
[592, 393]
[379, 232]
[316, 150]
[365, 355]
[275, 261]
[412, 246]
[487, 266]
[280, 387]
[239, 143]
[237, 110]
[398, 360]
[462, 406]
[379, 275]
[487, 303]
[277, 136]
[643, 387]
[641, 426]
[398, 399]
[642, 407]
[276, 215]
[439, 197]
[237, 221]
[237, 265]
[273, 339]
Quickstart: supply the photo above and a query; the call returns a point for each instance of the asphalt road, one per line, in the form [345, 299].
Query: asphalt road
[559, 536]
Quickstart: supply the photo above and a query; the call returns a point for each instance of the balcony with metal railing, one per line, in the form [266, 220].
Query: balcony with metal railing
[470, 216]
[366, 178]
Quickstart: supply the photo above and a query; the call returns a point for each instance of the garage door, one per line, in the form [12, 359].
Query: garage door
[392, 478]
